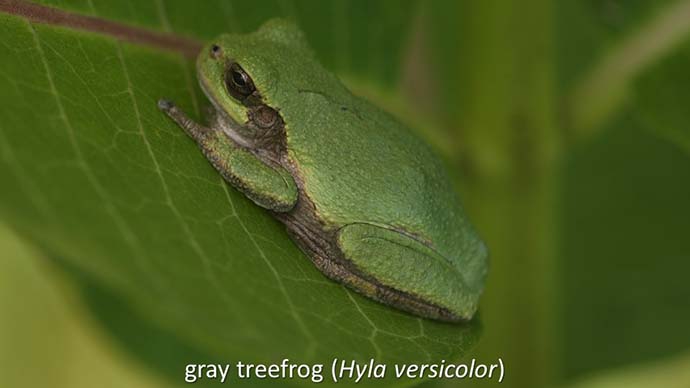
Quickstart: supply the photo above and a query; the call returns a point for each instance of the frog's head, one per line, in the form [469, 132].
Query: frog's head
[240, 73]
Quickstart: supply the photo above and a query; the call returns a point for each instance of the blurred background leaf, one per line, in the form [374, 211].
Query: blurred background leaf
[48, 338]
[626, 185]
[671, 372]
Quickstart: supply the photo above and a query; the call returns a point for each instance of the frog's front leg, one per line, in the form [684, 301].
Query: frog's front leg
[410, 275]
[271, 187]
[195, 130]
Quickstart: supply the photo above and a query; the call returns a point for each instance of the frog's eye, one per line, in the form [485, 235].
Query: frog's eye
[238, 82]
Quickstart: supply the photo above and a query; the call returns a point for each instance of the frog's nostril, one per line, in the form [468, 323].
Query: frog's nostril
[215, 51]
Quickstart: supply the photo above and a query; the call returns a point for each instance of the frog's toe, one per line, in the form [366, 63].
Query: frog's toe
[165, 104]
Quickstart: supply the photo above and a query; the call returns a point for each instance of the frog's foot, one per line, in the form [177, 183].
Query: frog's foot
[405, 273]
[195, 130]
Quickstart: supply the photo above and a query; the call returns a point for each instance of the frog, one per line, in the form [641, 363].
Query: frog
[367, 200]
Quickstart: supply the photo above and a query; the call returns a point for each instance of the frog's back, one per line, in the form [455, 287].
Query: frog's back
[360, 165]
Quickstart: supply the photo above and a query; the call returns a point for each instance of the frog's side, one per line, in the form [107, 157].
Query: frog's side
[364, 198]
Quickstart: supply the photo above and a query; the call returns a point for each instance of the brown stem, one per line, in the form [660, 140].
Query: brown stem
[47, 15]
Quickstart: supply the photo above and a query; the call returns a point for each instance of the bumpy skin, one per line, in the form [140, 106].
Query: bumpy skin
[374, 207]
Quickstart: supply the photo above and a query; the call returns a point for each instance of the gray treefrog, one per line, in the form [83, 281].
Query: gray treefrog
[368, 201]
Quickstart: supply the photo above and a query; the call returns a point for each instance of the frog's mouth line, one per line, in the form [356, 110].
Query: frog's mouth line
[227, 124]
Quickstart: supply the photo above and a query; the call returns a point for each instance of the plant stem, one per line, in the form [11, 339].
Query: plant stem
[510, 143]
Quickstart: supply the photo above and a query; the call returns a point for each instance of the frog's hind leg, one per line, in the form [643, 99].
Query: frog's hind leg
[406, 273]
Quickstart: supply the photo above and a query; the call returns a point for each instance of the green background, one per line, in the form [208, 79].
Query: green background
[124, 256]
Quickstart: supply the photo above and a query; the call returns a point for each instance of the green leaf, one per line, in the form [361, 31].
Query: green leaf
[48, 323]
[664, 110]
[625, 42]
[626, 186]
[100, 179]
[625, 246]
[671, 372]
[624, 225]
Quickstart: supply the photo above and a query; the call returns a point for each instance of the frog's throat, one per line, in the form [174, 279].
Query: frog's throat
[227, 124]
[233, 130]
